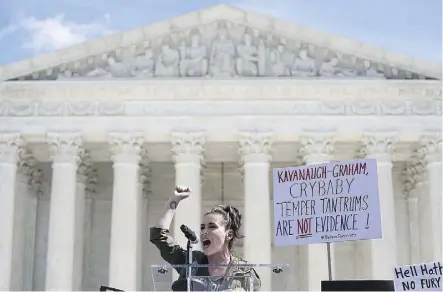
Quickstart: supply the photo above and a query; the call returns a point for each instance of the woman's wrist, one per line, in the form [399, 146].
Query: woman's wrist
[172, 203]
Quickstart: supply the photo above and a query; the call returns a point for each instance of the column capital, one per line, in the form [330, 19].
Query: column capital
[29, 174]
[188, 147]
[409, 177]
[144, 172]
[126, 147]
[255, 147]
[317, 147]
[26, 163]
[91, 183]
[11, 145]
[64, 147]
[84, 167]
[431, 146]
[144, 179]
[414, 174]
[379, 145]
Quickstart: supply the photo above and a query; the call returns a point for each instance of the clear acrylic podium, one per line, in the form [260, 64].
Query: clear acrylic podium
[273, 277]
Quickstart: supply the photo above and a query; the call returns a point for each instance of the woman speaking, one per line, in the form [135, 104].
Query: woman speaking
[219, 229]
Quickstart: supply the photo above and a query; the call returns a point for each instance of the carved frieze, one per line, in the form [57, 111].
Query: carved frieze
[222, 49]
[218, 108]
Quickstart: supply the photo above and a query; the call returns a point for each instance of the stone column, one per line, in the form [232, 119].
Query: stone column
[36, 183]
[414, 174]
[83, 172]
[317, 148]
[188, 156]
[415, 189]
[91, 187]
[384, 250]
[432, 149]
[23, 194]
[255, 151]
[65, 153]
[124, 261]
[144, 190]
[413, 227]
[10, 147]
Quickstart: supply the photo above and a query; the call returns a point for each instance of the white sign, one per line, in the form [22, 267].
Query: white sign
[421, 277]
[330, 202]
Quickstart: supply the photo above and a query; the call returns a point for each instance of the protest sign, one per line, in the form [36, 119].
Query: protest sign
[422, 277]
[329, 202]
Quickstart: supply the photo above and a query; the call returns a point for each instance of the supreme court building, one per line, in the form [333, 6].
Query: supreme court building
[94, 137]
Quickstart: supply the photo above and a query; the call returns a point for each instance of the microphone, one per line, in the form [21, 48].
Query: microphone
[189, 234]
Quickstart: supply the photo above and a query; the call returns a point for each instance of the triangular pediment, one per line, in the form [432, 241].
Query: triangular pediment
[221, 41]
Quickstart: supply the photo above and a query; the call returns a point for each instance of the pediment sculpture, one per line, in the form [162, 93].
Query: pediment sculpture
[167, 61]
[194, 58]
[225, 49]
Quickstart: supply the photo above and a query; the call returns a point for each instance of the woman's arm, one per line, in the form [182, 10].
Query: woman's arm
[160, 236]
[165, 220]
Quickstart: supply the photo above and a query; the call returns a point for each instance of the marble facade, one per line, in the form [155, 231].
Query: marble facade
[94, 138]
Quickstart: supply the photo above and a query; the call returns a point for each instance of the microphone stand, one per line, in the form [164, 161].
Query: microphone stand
[189, 266]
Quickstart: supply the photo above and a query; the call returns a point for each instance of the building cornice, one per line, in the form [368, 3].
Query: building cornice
[221, 89]
[245, 97]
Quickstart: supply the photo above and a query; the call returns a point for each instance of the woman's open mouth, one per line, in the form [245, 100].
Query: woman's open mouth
[206, 243]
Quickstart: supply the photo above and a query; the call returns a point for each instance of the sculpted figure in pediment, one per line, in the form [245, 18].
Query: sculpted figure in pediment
[287, 55]
[330, 69]
[248, 58]
[371, 72]
[113, 69]
[262, 55]
[143, 65]
[394, 73]
[304, 66]
[98, 72]
[65, 75]
[194, 59]
[276, 65]
[118, 69]
[222, 55]
[167, 62]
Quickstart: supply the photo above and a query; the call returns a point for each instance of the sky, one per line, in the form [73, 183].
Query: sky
[32, 27]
